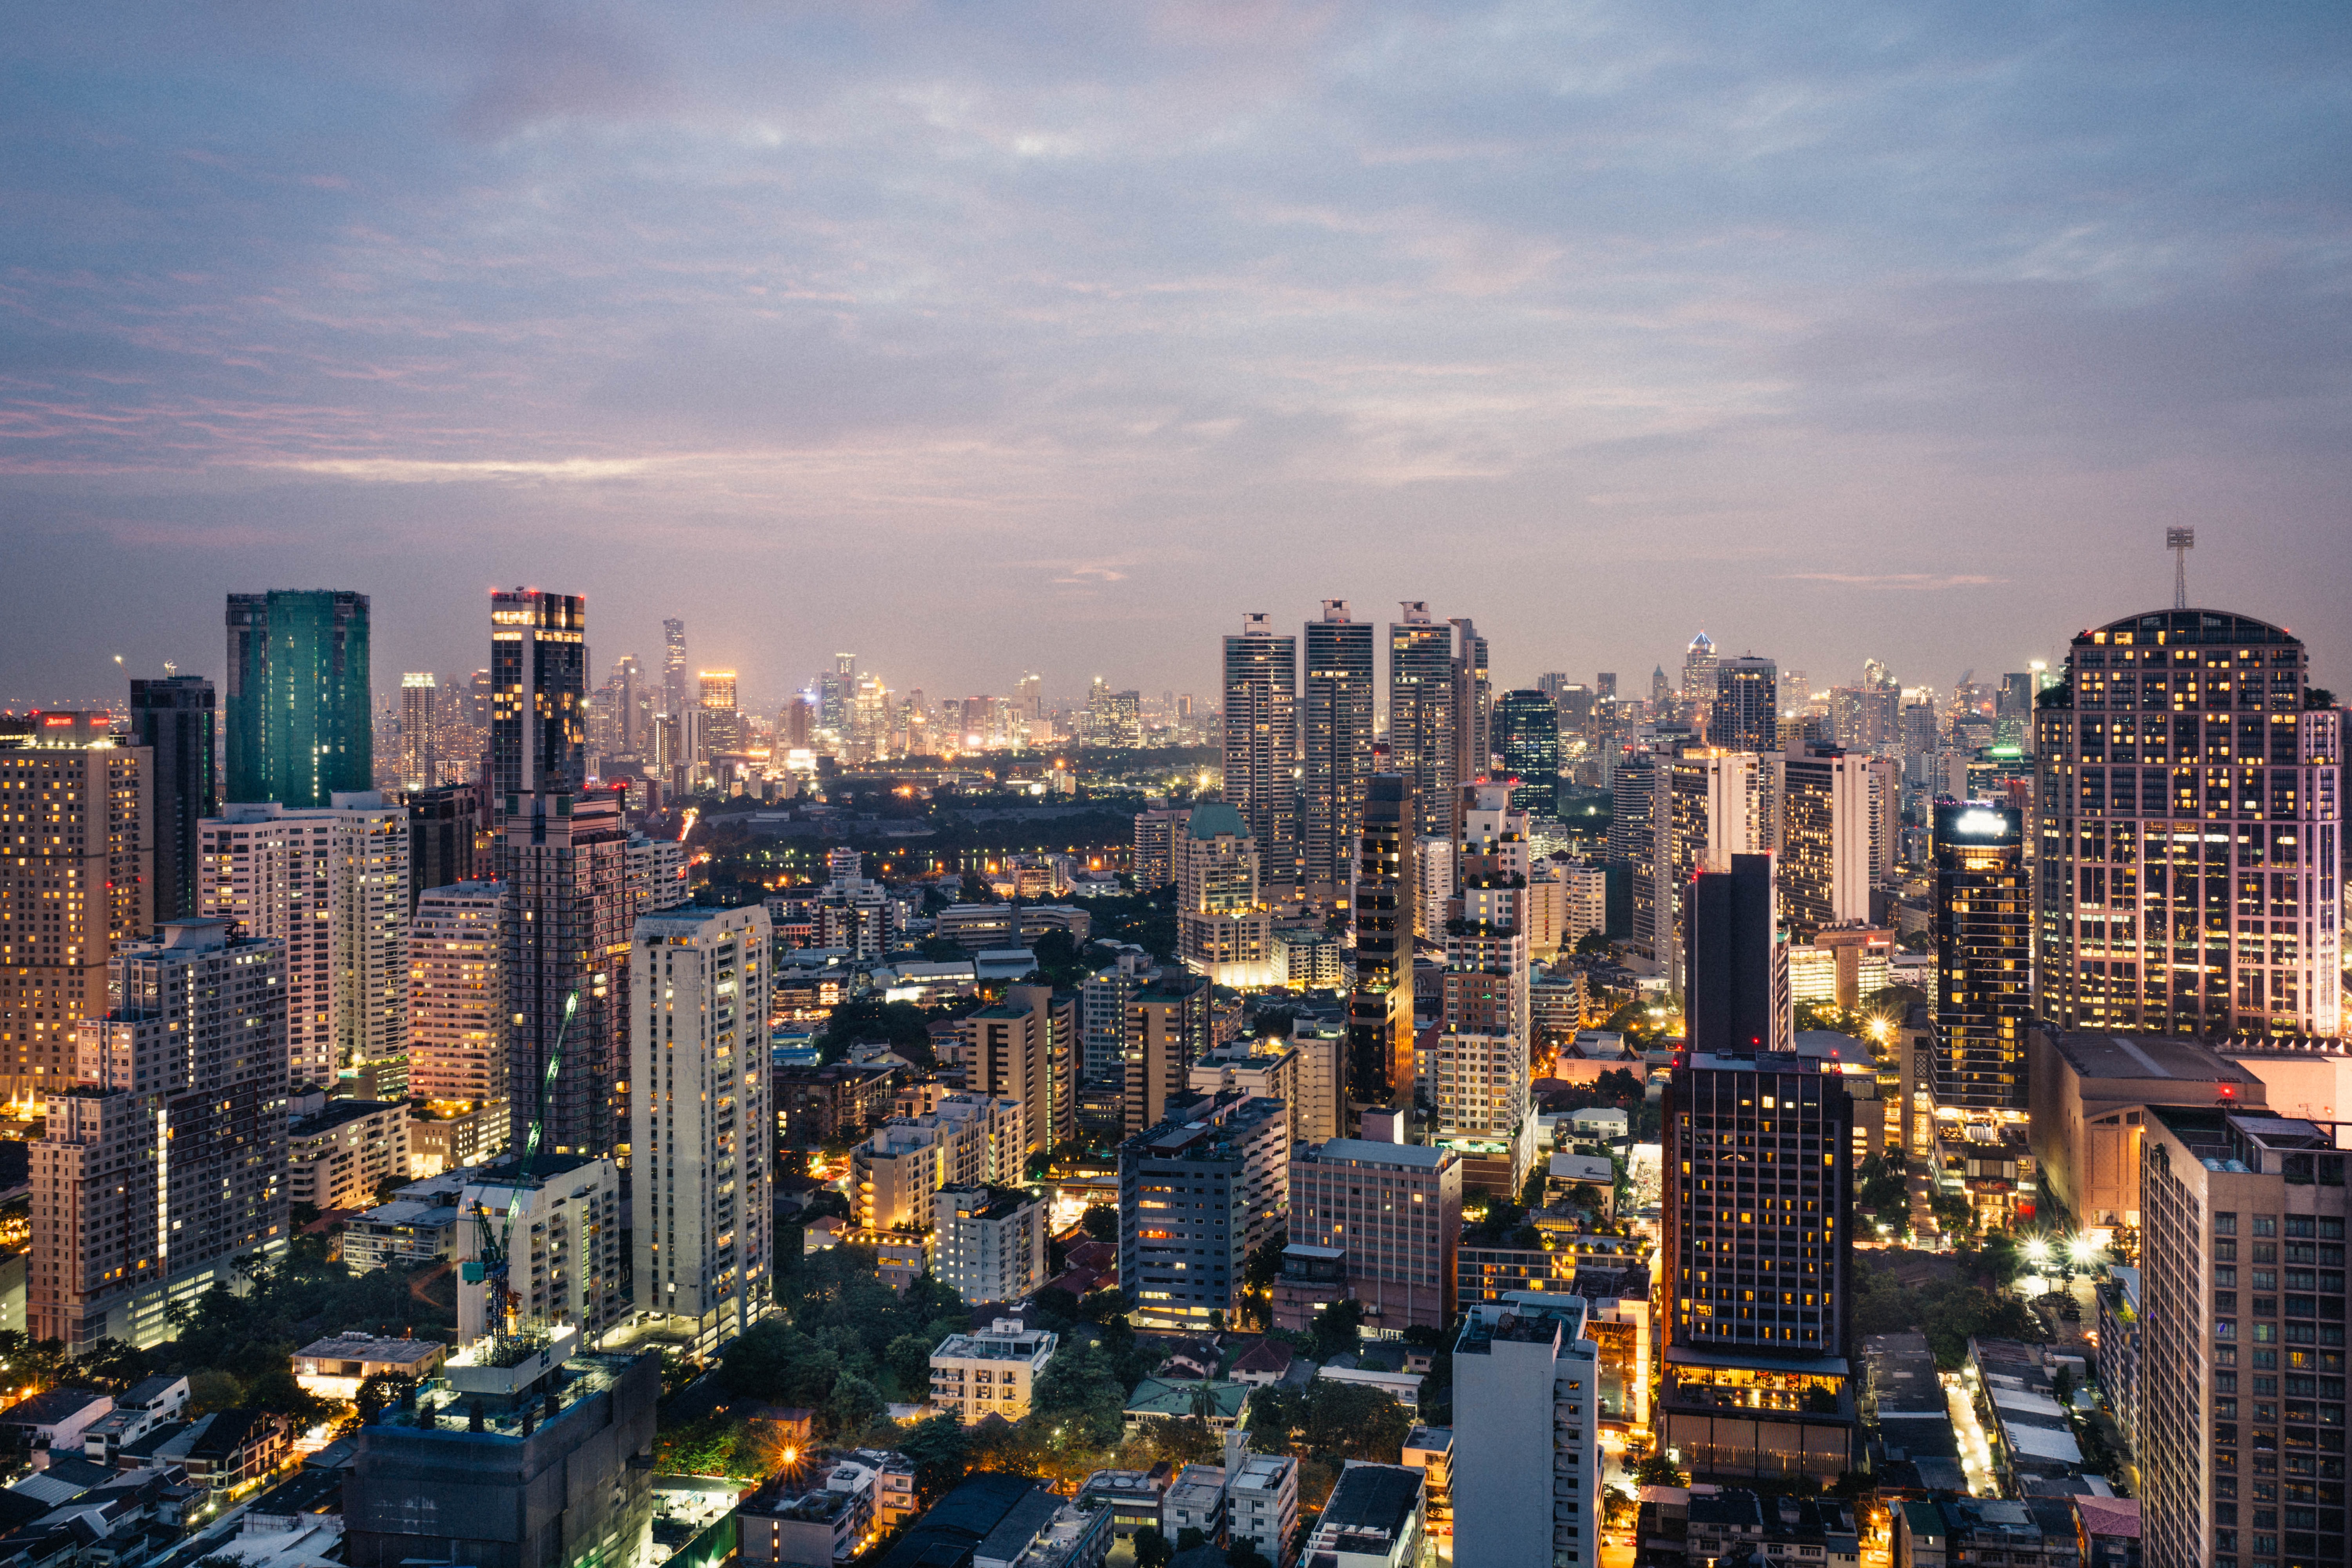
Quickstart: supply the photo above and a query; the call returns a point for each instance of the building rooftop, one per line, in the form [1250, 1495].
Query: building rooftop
[1372, 1500]
[367, 1348]
[337, 1113]
[997, 1345]
[1363, 1151]
[2158, 1057]
[45, 1409]
[1214, 818]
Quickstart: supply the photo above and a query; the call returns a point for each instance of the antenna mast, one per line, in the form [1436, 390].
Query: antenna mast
[2180, 541]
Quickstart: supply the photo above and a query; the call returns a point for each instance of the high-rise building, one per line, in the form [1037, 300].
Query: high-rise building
[457, 1001]
[2189, 813]
[1337, 751]
[565, 860]
[1198, 1193]
[173, 718]
[1167, 1031]
[1422, 739]
[1634, 844]
[1759, 1163]
[699, 1120]
[2236, 1476]
[1157, 828]
[331, 883]
[539, 686]
[1698, 675]
[1103, 997]
[1738, 962]
[673, 688]
[77, 877]
[1387, 1218]
[988, 1244]
[1224, 928]
[296, 704]
[1708, 806]
[721, 722]
[1984, 957]
[420, 722]
[1745, 715]
[1526, 1467]
[1474, 741]
[445, 829]
[1383, 909]
[163, 1165]
[1023, 1049]
[1832, 803]
[1481, 1069]
[1526, 726]
[622, 701]
[1261, 755]
[2013, 711]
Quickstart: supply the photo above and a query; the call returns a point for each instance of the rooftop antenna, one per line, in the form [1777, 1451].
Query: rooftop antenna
[2180, 541]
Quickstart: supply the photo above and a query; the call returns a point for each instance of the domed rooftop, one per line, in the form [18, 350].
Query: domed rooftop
[2203, 629]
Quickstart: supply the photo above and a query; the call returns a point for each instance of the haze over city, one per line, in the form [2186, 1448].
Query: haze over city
[1054, 337]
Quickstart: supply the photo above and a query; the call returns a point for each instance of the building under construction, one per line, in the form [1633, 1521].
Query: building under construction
[519, 1454]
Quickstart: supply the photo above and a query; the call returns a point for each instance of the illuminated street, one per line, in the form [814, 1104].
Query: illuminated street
[1976, 1452]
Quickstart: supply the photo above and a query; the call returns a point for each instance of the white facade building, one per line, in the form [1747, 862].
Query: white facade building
[699, 1122]
[991, 1373]
[332, 882]
[565, 1241]
[1525, 1471]
[988, 1243]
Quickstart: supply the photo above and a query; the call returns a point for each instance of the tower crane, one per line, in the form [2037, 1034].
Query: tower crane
[495, 1255]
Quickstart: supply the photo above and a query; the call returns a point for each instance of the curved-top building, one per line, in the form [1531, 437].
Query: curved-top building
[2187, 819]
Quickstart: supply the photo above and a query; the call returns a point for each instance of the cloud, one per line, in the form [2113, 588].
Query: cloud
[1896, 580]
[412, 471]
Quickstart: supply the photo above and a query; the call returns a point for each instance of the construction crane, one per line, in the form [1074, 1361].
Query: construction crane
[492, 1266]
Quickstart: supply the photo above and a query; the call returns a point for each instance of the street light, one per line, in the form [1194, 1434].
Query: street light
[2084, 1251]
[2037, 1251]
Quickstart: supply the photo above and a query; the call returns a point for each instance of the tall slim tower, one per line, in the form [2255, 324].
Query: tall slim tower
[1379, 1005]
[1473, 744]
[2189, 818]
[1339, 749]
[299, 725]
[1737, 991]
[539, 686]
[1262, 746]
[1527, 725]
[420, 724]
[173, 718]
[1698, 674]
[1422, 739]
[1745, 715]
[1984, 956]
[674, 689]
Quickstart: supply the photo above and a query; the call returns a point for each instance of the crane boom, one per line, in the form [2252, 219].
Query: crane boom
[493, 1267]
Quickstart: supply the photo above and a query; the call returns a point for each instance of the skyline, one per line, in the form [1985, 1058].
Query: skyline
[1839, 333]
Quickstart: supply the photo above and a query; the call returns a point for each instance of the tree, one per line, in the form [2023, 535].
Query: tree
[1657, 1470]
[276, 1391]
[1151, 1549]
[1241, 1555]
[1189, 1538]
[909, 1358]
[1101, 1221]
[1591, 943]
[379, 1391]
[2061, 1388]
[853, 1403]
[1338, 1328]
[1080, 1393]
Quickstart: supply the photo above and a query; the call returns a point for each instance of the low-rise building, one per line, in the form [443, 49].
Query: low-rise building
[1947, 1532]
[334, 1368]
[2107, 1532]
[54, 1422]
[1906, 1419]
[237, 1447]
[147, 1404]
[991, 1372]
[1196, 1499]
[441, 1138]
[1783, 1531]
[1429, 1450]
[1219, 1404]
[1131, 1497]
[797, 1527]
[1373, 1519]
[1260, 1502]
[988, 1244]
[835, 1103]
[1404, 1388]
[404, 1231]
[2033, 1438]
[338, 1152]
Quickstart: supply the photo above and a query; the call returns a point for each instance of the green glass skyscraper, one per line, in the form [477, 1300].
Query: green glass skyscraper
[298, 727]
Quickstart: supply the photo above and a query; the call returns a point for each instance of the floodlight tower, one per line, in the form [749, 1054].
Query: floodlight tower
[2180, 541]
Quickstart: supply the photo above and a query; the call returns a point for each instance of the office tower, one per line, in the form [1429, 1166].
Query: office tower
[538, 683]
[1474, 743]
[1167, 1031]
[1865, 718]
[1796, 688]
[565, 860]
[78, 878]
[1388, 1217]
[1223, 928]
[835, 690]
[797, 731]
[2013, 711]
[444, 826]
[1385, 909]
[161, 1166]
[699, 1122]
[420, 715]
[1632, 842]
[1118, 718]
[988, 1244]
[1157, 828]
[1604, 684]
[1661, 690]
[1103, 999]
[300, 729]
[1261, 777]
[1758, 1162]
[1198, 1193]
[2234, 1474]
[673, 688]
[1832, 803]
[2189, 812]
[332, 884]
[1022, 1049]
[1482, 1068]
[1526, 726]
[1338, 750]
[1301, 1072]
[1984, 957]
[723, 725]
[1746, 713]
[1526, 1467]
[1708, 806]
[1551, 683]
[457, 1001]
[173, 718]
[1737, 961]
[1421, 718]
[1433, 879]
[625, 695]
[1698, 675]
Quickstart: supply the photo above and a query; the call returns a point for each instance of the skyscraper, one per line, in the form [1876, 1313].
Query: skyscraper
[1984, 957]
[721, 722]
[1474, 743]
[1223, 928]
[1526, 1467]
[1759, 1195]
[564, 860]
[300, 729]
[700, 1124]
[2188, 812]
[539, 686]
[420, 716]
[1380, 1004]
[163, 1165]
[1338, 750]
[1737, 991]
[674, 692]
[77, 877]
[1831, 803]
[1229, 1155]
[1746, 712]
[1422, 738]
[173, 718]
[1708, 806]
[1698, 675]
[1261, 754]
[457, 1000]
[1528, 734]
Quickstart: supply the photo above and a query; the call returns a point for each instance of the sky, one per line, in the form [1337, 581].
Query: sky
[977, 339]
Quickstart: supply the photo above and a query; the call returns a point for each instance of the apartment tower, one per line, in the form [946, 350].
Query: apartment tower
[1260, 756]
[1338, 758]
[173, 718]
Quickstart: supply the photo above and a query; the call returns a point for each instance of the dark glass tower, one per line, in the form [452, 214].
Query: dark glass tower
[1379, 1007]
[1261, 745]
[1738, 998]
[299, 727]
[538, 691]
[1526, 727]
[174, 718]
[1746, 714]
[1984, 956]
[1422, 740]
[1339, 749]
